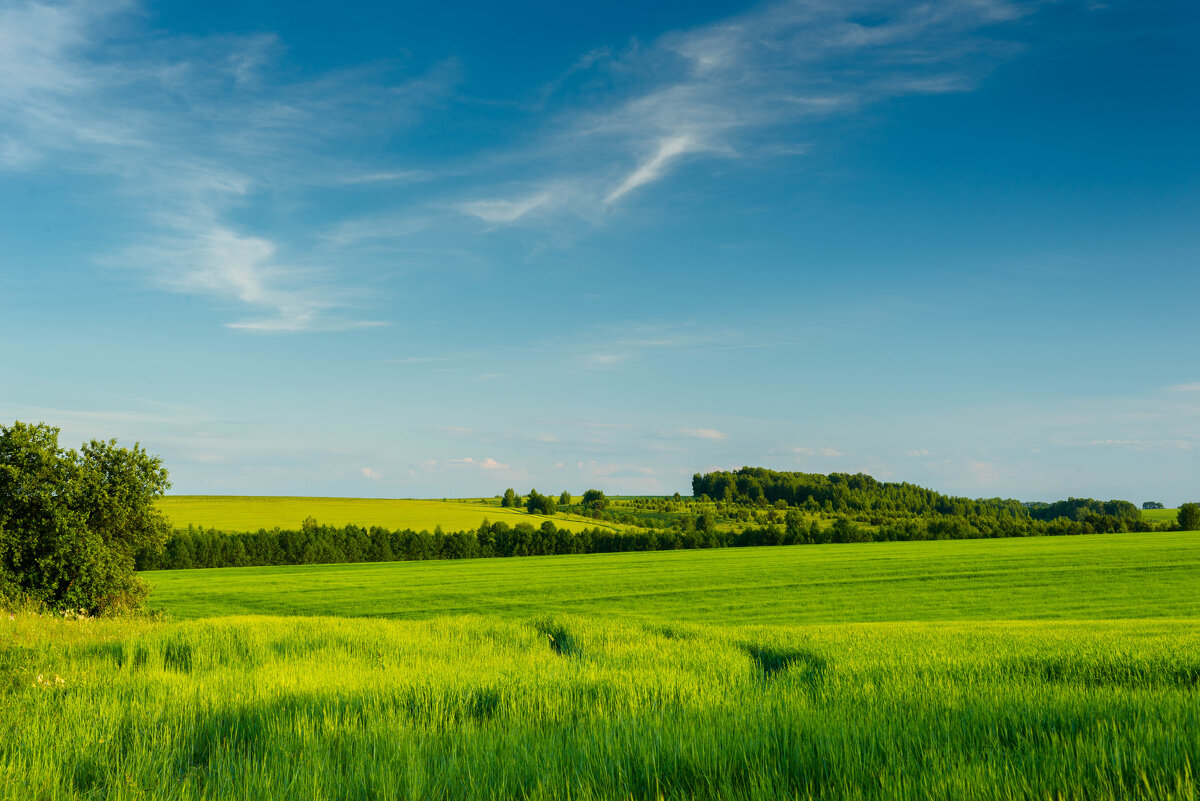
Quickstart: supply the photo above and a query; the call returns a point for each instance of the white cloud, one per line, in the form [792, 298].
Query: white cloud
[1194, 386]
[703, 433]
[500, 212]
[920, 452]
[983, 474]
[369, 473]
[486, 464]
[187, 131]
[604, 359]
[652, 169]
[828, 452]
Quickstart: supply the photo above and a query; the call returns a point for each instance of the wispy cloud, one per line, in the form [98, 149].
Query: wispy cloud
[652, 169]
[1194, 386]
[755, 85]
[188, 132]
[487, 463]
[703, 433]
[197, 136]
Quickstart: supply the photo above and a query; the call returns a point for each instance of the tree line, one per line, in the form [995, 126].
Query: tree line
[314, 543]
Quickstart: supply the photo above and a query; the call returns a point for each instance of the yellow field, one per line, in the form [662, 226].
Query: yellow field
[250, 513]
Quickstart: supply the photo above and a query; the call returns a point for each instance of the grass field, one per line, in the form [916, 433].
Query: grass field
[1064, 668]
[1100, 576]
[250, 513]
[1160, 515]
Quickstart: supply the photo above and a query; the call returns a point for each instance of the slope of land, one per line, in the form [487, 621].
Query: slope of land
[1099, 576]
[252, 512]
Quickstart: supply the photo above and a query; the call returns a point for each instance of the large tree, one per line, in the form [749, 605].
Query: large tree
[1189, 517]
[72, 522]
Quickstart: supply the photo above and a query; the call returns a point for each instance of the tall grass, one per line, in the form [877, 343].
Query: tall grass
[568, 707]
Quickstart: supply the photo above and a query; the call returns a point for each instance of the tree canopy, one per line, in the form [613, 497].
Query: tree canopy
[72, 522]
[1189, 517]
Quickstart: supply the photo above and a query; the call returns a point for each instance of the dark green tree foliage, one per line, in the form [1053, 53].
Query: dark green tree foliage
[841, 493]
[1082, 509]
[565, 498]
[73, 522]
[510, 498]
[539, 504]
[594, 500]
[1189, 517]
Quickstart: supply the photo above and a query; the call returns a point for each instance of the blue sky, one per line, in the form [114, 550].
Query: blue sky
[426, 250]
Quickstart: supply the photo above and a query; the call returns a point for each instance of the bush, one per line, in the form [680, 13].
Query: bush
[72, 522]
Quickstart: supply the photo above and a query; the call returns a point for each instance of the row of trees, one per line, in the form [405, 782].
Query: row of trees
[593, 501]
[321, 544]
[841, 493]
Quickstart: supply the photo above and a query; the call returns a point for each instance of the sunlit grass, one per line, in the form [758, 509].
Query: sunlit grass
[732, 674]
[474, 707]
[251, 513]
[1097, 576]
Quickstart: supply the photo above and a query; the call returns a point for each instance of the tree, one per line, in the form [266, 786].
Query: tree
[594, 500]
[565, 498]
[1189, 517]
[72, 523]
[537, 503]
[510, 498]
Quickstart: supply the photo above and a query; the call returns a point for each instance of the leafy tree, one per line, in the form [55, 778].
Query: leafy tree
[72, 523]
[1189, 517]
[510, 498]
[594, 500]
[537, 503]
[565, 498]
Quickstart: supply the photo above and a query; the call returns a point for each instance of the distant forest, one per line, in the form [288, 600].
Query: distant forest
[747, 507]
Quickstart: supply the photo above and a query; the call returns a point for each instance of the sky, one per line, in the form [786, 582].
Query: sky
[441, 249]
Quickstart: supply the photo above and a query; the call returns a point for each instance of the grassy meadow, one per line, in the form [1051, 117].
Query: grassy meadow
[1160, 515]
[251, 513]
[1093, 577]
[1048, 668]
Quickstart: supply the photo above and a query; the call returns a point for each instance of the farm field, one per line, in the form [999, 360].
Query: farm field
[250, 513]
[1160, 515]
[1098, 576]
[1040, 668]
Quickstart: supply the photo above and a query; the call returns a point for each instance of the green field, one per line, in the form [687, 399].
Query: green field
[250, 513]
[1100, 576]
[1160, 515]
[1033, 669]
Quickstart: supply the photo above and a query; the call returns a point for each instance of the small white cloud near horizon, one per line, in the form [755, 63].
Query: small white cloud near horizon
[983, 473]
[486, 464]
[371, 474]
[920, 452]
[1193, 386]
[703, 433]
[828, 452]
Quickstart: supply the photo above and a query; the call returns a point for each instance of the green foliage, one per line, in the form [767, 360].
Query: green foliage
[1189, 517]
[72, 522]
[510, 499]
[564, 499]
[594, 500]
[538, 504]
